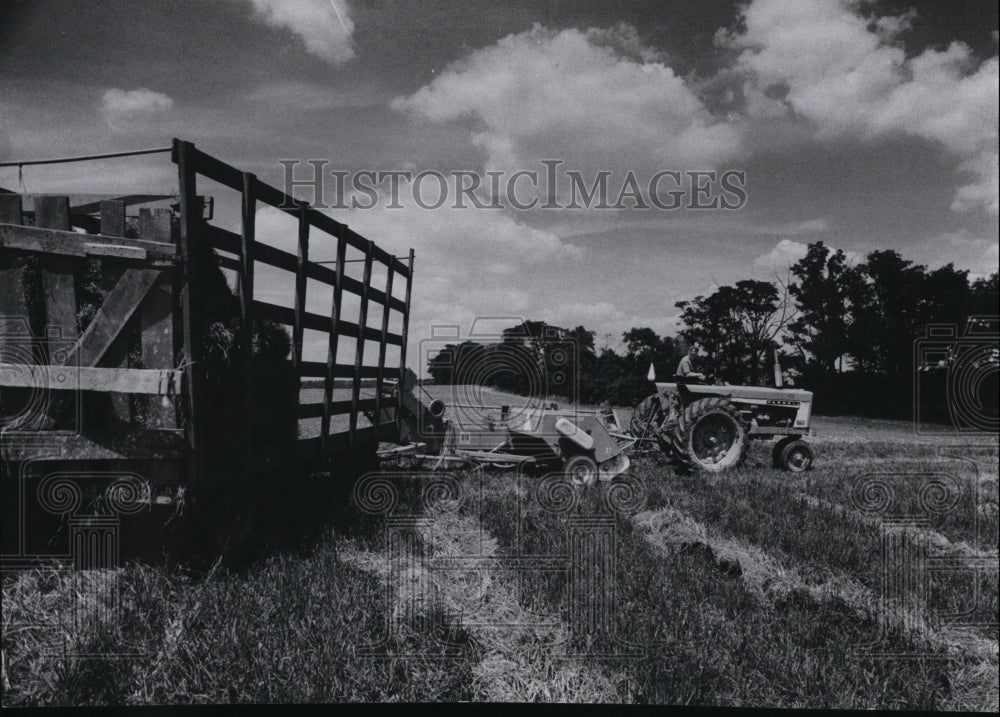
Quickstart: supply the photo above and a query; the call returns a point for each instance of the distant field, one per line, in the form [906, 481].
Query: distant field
[868, 582]
[827, 429]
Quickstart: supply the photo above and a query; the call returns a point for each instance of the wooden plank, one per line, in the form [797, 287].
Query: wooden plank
[301, 259]
[76, 246]
[113, 225]
[246, 284]
[228, 262]
[72, 244]
[125, 444]
[315, 410]
[232, 178]
[58, 290]
[156, 225]
[402, 346]
[331, 350]
[11, 209]
[118, 307]
[356, 240]
[109, 321]
[220, 238]
[156, 320]
[359, 350]
[52, 212]
[91, 203]
[156, 382]
[190, 280]
[117, 356]
[318, 369]
[266, 254]
[381, 347]
[13, 302]
[315, 322]
[113, 218]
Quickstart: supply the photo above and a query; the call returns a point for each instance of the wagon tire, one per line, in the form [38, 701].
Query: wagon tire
[581, 471]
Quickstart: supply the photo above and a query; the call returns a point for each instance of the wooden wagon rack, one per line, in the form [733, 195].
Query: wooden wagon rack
[142, 348]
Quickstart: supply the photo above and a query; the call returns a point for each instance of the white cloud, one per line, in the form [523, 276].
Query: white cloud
[133, 104]
[984, 190]
[785, 253]
[788, 251]
[596, 96]
[849, 77]
[325, 26]
[808, 226]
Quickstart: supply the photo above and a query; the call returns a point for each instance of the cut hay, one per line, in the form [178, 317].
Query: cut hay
[520, 648]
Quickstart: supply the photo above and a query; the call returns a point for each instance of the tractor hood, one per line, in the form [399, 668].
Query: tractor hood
[753, 393]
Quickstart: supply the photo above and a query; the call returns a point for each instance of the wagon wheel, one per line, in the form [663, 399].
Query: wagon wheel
[581, 470]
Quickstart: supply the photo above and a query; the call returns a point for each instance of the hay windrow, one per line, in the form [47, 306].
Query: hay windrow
[669, 530]
[519, 647]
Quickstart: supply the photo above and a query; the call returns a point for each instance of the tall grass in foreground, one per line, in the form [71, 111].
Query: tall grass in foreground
[290, 626]
[706, 638]
[288, 629]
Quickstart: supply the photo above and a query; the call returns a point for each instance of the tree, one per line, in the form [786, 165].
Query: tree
[641, 344]
[822, 295]
[946, 295]
[984, 296]
[456, 362]
[537, 358]
[738, 325]
[890, 305]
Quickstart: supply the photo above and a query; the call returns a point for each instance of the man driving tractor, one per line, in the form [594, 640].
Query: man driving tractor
[687, 368]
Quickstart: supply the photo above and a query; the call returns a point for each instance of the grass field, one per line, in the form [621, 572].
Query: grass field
[753, 587]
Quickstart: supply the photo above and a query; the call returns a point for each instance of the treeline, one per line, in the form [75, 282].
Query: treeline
[853, 334]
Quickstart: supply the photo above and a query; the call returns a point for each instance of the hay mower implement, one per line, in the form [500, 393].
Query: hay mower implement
[587, 445]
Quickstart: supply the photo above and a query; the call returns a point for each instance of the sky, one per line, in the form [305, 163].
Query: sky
[865, 125]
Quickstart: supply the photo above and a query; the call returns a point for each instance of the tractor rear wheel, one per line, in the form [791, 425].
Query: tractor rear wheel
[710, 435]
[582, 471]
[793, 454]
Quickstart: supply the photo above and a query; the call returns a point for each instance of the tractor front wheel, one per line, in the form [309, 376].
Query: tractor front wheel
[710, 435]
[793, 454]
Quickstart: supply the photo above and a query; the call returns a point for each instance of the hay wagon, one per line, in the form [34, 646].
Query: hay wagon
[113, 392]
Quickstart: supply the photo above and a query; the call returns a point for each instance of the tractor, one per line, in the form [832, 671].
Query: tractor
[709, 427]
